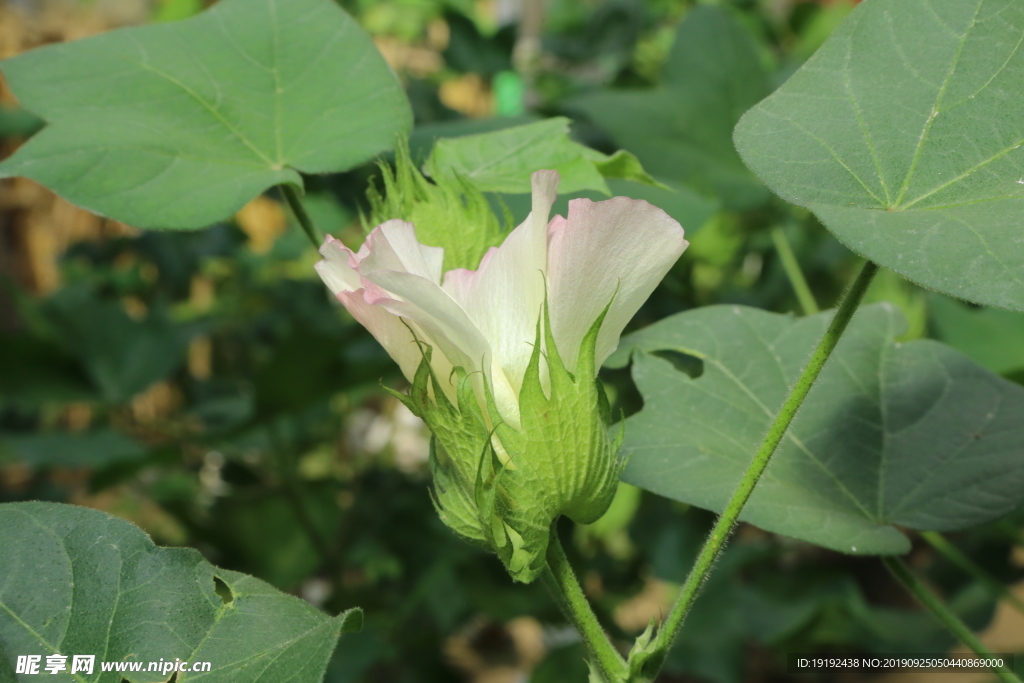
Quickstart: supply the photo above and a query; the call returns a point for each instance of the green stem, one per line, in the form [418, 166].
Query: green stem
[723, 527]
[946, 616]
[793, 272]
[292, 197]
[562, 580]
[295, 495]
[957, 557]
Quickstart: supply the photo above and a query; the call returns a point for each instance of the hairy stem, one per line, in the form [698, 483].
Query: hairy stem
[560, 577]
[292, 197]
[945, 615]
[793, 272]
[954, 555]
[723, 527]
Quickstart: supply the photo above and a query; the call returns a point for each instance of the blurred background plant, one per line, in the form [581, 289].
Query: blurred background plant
[204, 386]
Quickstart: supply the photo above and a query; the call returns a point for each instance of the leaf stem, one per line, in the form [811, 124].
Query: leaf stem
[943, 614]
[292, 197]
[957, 557]
[723, 527]
[561, 579]
[793, 271]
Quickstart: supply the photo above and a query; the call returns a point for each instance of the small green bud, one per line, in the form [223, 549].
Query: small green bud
[450, 213]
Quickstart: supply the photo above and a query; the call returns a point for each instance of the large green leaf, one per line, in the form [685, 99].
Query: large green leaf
[178, 125]
[78, 581]
[682, 130]
[502, 160]
[913, 434]
[903, 135]
[991, 337]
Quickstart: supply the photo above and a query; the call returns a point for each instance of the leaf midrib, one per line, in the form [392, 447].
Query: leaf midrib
[277, 166]
[935, 106]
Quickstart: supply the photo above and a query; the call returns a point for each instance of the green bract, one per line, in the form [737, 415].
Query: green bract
[451, 213]
[502, 487]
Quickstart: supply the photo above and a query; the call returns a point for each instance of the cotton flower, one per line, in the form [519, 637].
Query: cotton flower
[503, 358]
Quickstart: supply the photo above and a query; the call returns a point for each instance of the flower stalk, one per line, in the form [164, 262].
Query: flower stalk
[960, 559]
[793, 272]
[301, 215]
[944, 615]
[562, 582]
[647, 661]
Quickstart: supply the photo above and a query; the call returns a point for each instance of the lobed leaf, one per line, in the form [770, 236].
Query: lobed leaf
[914, 435]
[79, 581]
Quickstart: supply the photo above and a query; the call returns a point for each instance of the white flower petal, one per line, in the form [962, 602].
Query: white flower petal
[389, 330]
[419, 300]
[337, 269]
[620, 243]
[486, 320]
[393, 246]
[362, 299]
[503, 297]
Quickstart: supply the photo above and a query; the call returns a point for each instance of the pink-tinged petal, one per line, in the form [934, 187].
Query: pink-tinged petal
[444, 325]
[423, 302]
[393, 246]
[503, 296]
[617, 243]
[369, 303]
[337, 269]
[388, 329]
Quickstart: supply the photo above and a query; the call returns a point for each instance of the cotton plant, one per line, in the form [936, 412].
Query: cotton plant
[910, 157]
[502, 359]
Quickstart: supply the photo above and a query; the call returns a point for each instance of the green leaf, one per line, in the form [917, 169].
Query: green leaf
[913, 434]
[79, 581]
[174, 10]
[17, 122]
[902, 134]
[991, 337]
[88, 449]
[622, 165]
[682, 130]
[122, 356]
[425, 136]
[178, 125]
[34, 371]
[262, 533]
[502, 161]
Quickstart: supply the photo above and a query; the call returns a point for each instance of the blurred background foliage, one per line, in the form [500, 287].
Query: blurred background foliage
[204, 386]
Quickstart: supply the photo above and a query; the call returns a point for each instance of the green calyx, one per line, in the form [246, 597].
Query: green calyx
[502, 488]
[450, 213]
